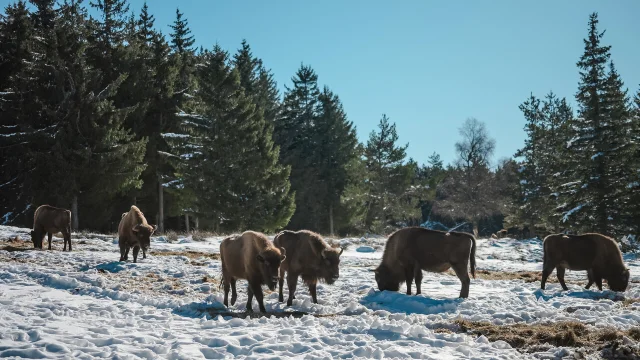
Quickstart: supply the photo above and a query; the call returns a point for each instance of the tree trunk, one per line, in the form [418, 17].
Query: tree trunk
[74, 213]
[331, 219]
[186, 221]
[475, 229]
[160, 206]
[197, 223]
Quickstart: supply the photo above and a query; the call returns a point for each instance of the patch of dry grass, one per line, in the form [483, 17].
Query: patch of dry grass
[190, 254]
[528, 337]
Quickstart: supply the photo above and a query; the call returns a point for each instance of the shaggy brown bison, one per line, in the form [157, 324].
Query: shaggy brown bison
[310, 257]
[250, 256]
[50, 220]
[134, 232]
[411, 250]
[597, 254]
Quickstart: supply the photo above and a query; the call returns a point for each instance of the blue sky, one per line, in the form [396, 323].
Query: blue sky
[428, 65]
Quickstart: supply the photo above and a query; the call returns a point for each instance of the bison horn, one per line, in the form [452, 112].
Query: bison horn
[136, 228]
[323, 253]
[155, 227]
[341, 250]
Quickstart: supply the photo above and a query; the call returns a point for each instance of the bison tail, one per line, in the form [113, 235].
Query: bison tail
[472, 257]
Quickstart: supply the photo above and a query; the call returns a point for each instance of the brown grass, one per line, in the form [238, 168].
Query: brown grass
[531, 336]
[190, 254]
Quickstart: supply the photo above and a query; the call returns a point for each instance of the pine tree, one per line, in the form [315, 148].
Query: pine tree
[258, 82]
[90, 156]
[336, 143]
[229, 144]
[181, 39]
[16, 59]
[591, 194]
[388, 178]
[146, 30]
[294, 133]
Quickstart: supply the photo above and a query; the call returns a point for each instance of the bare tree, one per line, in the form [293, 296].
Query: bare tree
[470, 190]
[476, 147]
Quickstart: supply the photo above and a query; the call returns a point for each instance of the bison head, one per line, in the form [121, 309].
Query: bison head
[385, 279]
[330, 265]
[269, 263]
[36, 238]
[619, 282]
[143, 234]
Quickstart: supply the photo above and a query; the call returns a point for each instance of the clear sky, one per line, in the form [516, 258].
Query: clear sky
[427, 64]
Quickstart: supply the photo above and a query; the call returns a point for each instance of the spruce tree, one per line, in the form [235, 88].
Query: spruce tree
[336, 143]
[591, 194]
[181, 39]
[229, 144]
[388, 178]
[16, 61]
[294, 133]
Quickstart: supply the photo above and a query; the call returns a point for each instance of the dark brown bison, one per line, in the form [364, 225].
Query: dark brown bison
[502, 233]
[310, 257]
[250, 256]
[411, 250]
[50, 220]
[134, 232]
[597, 254]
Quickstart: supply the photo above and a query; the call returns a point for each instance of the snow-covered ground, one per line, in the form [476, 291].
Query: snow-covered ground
[85, 304]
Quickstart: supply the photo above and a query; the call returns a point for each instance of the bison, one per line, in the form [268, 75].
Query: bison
[134, 232]
[50, 220]
[411, 250]
[309, 256]
[250, 256]
[599, 255]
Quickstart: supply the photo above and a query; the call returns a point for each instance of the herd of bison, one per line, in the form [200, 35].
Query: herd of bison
[253, 257]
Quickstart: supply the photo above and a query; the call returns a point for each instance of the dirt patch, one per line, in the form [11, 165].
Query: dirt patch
[533, 337]
[16, 244]
[189, 254]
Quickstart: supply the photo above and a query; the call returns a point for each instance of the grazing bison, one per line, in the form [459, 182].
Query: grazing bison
[50, 220]
[597, 254]
[250, 256]
[411, 250]
[134, 232]
[308, 256]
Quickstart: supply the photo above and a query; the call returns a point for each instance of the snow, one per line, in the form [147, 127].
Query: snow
[566, 216]
[174, 135]
[86, 304]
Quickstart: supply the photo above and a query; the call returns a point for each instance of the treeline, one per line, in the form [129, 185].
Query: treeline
[102, 112]
[98, 113]
[580, 170]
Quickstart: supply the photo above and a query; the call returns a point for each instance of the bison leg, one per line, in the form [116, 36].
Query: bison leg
[560, 275]
[49, 236]
[408, 273]
[234, 294]
[281, 285]
[590, 277]
[461, 272]
[226, 285]
[136, 250]
[257, 291]
[67, 238]
[249, 298]
[418, 278]
[292, 282]
[546, 271]
[312, 290]
[126, 253]
[598, 280]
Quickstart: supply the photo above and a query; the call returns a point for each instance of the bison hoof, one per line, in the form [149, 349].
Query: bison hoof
[281, 299]
[289, 302]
